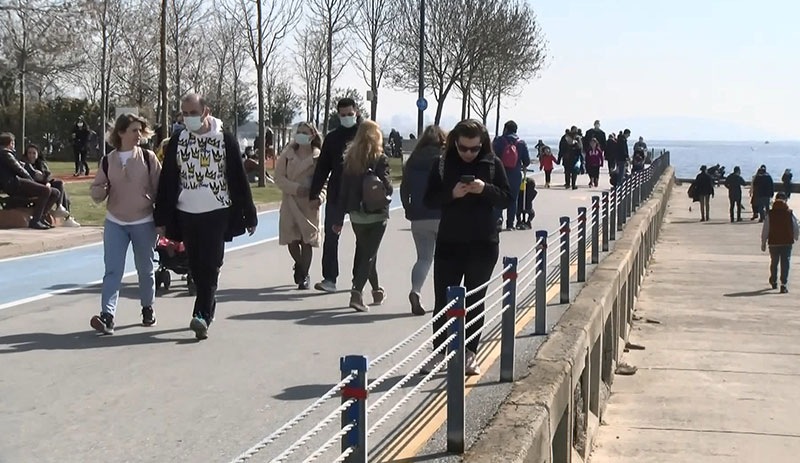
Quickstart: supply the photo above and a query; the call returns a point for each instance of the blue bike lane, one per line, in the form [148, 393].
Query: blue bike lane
[32, 278]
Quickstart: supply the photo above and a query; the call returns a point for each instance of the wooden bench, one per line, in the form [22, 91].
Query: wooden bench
[15, 211]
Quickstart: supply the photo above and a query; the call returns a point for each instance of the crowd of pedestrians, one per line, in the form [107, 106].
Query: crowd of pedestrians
[780, 227]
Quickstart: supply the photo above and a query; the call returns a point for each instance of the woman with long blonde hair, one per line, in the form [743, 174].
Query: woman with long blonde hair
[365, 195]
[298, 222]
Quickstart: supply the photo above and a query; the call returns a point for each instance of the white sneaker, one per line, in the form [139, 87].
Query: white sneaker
[60, 212]
[70, 222]
[471, 367]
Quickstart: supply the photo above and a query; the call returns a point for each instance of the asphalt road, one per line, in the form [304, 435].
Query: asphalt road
[156, 394]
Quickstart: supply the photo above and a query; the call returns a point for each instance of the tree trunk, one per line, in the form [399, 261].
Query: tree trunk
[103, 81]
[497, 120]
[374, 80]
[328, 78]
[23, 69]
[162, 71]
[262, 162]
[178, 65]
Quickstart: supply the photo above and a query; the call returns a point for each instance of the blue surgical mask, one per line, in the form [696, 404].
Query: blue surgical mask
[302, 139]
[348, 121]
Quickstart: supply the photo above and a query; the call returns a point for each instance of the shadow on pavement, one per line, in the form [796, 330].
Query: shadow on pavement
[313, 391]
[284, 293]
[322, 317]
[27, 342]
[760, 292]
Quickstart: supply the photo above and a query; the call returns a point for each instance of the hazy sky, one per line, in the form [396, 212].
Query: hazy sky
[677, 69]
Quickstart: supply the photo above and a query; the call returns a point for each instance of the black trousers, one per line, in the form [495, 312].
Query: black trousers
[204, 238]
[45, 197]
[570, 176]
[80, 159]
[368, 241]
[330, 245]
[736, 204]
[471, 262]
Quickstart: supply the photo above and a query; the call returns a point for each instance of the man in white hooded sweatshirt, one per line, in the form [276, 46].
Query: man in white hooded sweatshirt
[204, 200]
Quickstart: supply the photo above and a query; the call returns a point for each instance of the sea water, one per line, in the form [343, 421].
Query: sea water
[688, 156]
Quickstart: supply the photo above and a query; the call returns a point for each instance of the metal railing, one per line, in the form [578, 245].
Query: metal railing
[549, 264]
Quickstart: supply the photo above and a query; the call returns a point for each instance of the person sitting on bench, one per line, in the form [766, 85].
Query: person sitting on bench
[16, 181]
[36, 166]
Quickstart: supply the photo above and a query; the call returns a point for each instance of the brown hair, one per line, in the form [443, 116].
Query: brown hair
[316, 140]
[123, 122]
[366, 148]
[468, 128]
[432, 136]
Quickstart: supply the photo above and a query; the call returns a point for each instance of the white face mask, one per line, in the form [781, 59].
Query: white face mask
[193, 123]
[348, 121]
[80, 124]
[302, 139]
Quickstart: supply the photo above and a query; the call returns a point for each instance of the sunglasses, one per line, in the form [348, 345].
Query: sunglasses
[468, 149]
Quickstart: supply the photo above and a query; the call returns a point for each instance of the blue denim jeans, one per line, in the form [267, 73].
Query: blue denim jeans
[116, 239]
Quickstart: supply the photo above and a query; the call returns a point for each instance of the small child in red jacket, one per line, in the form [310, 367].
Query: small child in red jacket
[546, 162]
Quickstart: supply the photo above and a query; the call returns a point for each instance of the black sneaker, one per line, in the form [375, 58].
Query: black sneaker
[148, 316]
[784, 289]
[200, 327]
[103, 323]
[774, 284]
[305, 283]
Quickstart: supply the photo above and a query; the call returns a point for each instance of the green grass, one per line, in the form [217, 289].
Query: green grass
[88, 213]
[65, 168]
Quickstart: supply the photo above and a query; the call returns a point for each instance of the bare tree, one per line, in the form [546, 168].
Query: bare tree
[138, 80]
[443, 61]
[264, 28]
[516, 53]
[33, 31]
[334, 16]
[375, 21]
[107, 18]
[186, 17]
[310, 61]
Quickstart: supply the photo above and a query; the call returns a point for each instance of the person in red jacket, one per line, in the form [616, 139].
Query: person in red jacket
[546, 162]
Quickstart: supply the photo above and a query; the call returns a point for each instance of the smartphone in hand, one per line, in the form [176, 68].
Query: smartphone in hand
[467, 179]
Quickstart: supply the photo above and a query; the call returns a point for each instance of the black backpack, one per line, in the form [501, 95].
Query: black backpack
[374, 195]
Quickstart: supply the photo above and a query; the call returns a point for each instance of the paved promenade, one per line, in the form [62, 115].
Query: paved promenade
[157, 395]
[718, 381]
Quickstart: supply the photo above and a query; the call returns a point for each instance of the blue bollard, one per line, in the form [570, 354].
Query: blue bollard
[508, 320]
[357, 413]
[455, 372]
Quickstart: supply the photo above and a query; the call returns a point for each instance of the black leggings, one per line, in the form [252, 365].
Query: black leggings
[368, 241]
[302, 254]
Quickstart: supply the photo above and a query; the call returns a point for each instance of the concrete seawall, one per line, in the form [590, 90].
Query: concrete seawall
[553, 414]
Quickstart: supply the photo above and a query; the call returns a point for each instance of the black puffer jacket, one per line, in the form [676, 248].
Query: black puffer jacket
[415, 182]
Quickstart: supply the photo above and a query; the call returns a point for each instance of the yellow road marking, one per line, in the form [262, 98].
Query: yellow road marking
[405, 446]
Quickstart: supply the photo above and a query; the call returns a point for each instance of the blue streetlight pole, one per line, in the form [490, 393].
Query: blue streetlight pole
[420, 111]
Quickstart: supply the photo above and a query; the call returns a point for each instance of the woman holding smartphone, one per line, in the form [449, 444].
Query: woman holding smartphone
[467, 183]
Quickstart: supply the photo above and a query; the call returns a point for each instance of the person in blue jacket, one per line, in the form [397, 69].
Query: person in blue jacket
[513, 153]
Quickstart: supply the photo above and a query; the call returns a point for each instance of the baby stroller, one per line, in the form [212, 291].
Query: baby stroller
[172, 256]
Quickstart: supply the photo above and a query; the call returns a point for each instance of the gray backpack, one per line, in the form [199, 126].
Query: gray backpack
[374, 195]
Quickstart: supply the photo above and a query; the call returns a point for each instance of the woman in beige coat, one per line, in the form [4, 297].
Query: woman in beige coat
[299, 221]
